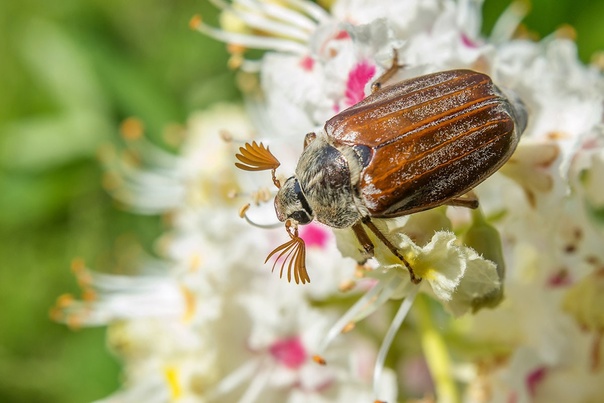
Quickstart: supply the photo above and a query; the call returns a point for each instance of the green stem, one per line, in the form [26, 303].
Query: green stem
[435, 351]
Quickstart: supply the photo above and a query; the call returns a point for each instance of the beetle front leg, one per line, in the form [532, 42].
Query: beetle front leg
[379, 82]
[363, 238]
[367, 221]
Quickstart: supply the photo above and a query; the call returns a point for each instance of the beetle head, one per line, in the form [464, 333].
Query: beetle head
[290, 203]
[291, 206]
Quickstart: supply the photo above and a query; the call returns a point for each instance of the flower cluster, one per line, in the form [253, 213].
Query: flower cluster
[209, 322]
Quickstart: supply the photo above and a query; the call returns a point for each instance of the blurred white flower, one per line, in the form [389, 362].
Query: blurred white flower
[210, 322]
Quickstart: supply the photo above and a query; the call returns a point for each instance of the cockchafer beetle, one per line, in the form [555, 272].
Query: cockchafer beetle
[408, 147]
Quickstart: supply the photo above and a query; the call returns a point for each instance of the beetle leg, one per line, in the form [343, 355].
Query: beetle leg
[469, 201]
[367, 221]
[363, 238]
[377, 84]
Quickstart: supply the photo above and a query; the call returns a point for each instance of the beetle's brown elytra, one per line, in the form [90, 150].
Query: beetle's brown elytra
[435, 137]
[407, 147]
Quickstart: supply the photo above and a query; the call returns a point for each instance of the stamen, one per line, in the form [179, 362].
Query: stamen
[509, 21]
[349, 327]
[283, 14]
[244, 210]
[233, 380]
[346, 285]
[256, 386]
[146, 191]
[83, 276]
[319, 360]
[310, 8]
[597, 60]
[566, 31]
[64, 301]
[249, 41]
[270, 26]
[365, 306]
[195, 22]
[195, 262]
[226, 136]
[238, 61]
[190, 304]
[387, 341]
[89, 295]
[337, 327]
[230, 138]
[132, 128]
[262, 195]
[243, 214]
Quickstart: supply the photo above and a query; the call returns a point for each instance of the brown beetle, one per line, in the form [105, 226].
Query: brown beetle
[408, 147]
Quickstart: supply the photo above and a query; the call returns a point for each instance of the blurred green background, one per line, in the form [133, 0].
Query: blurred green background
[70, 72]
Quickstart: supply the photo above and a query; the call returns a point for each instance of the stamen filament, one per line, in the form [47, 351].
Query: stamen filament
[311, 9]
[283, 14]
[353, 313]
[389, 288]
[234, 379]
[256, 386]
[276, 28]
[265, 226]
[251, 41]
[508, 21]
[274, 11]
[400, 316]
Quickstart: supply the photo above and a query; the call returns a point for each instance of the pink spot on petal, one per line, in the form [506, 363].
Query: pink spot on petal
[343, 34]
[335, 108]
[358, 77]
[289, 352]
[465, 39]
[307, 63]
[560, 279]
[315, 235]
[534, 379]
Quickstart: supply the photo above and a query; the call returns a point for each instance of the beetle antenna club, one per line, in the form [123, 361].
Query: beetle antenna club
[257, 157]
[295, 251]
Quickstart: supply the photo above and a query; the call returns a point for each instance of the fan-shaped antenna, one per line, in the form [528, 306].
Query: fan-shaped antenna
[295, 251]
[257, 157]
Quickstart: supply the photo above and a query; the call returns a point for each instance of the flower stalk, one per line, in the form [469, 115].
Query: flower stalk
[435, 352]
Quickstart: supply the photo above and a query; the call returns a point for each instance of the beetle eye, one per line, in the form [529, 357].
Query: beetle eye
[301, 217]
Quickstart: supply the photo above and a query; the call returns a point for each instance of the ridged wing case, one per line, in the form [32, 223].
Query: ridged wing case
[430, 139]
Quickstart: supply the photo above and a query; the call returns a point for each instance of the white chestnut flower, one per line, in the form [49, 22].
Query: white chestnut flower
[214, 324]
